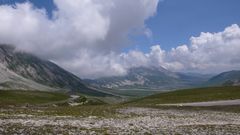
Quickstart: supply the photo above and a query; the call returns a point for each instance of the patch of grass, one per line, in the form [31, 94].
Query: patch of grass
[133, 93]
[19, 97]
[83, 111]
[95, 101]
[80, 99]
[109, 111]
[190, 95]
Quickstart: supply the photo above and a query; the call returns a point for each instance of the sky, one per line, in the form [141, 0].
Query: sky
[98, 38]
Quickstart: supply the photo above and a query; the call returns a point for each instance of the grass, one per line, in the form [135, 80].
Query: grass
[131, 93]
[36, 98]
[51, 103]
[84, 111]
[19, 97]
[190, 95]
[106, 111]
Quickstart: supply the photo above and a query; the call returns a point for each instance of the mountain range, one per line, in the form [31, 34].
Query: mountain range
[230, 78]
[152, 78]
[145, 78]
[21, 70]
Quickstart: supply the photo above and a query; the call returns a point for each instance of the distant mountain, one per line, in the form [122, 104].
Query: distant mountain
[20, 70]
[149, 78]
[230, 78]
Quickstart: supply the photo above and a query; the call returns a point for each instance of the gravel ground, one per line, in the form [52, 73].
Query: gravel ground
[210, 103]
[128, 121]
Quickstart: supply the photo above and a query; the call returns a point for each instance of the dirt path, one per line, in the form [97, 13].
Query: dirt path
[70, 99]
[210, 103]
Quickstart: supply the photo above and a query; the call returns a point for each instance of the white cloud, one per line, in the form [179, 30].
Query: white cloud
[86, 37]
[208, 53]
[81, 35]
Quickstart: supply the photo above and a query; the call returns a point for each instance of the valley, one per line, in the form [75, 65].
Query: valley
[119, 67]
[39, 97]
[56, 115]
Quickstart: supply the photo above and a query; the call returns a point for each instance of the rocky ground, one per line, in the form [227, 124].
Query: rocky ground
[130, 120]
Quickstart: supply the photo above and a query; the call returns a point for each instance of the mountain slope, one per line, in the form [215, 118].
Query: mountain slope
[148, 78]
[11, 80]
[190, 95]
[231, 78]
[24, 66]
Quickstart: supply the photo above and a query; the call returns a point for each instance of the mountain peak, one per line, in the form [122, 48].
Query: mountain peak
[225, 78]
[25, 66]
[7, 47]
[157, 78]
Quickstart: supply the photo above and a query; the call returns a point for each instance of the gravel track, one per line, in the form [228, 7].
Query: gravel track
[129, 121]
[210, 103]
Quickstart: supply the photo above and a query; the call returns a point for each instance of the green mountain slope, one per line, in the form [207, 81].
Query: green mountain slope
[20, 97]
[191, 95]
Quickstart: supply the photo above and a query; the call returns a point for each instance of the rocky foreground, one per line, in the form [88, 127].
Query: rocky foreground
[127, 121]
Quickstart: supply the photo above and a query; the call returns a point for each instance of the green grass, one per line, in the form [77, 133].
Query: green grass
[107, 111]
[190, 95]
[36, 98]
[19, 97]
[131, 93]
[137, 93]
[84, 111]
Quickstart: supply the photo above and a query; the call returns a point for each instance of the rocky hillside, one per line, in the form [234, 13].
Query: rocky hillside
[230, 78]
[149, 78]
[20, 70]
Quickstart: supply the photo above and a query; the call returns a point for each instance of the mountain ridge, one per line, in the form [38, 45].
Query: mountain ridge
[152, 78]
[229, 78]
[40, 72]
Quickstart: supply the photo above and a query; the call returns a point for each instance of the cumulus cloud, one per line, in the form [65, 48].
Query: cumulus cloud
[207, 53]
[81, 35]
[86, 37]
[211, 52]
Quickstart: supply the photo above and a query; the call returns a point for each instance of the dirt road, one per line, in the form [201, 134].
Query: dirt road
[210, 103]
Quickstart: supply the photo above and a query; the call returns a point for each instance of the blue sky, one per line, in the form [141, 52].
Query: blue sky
[176, 20]
[47, 4]
[90, 37]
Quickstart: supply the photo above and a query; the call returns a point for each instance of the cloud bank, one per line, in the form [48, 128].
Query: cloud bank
[207, 53]
[86, 37]
[81, 33]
